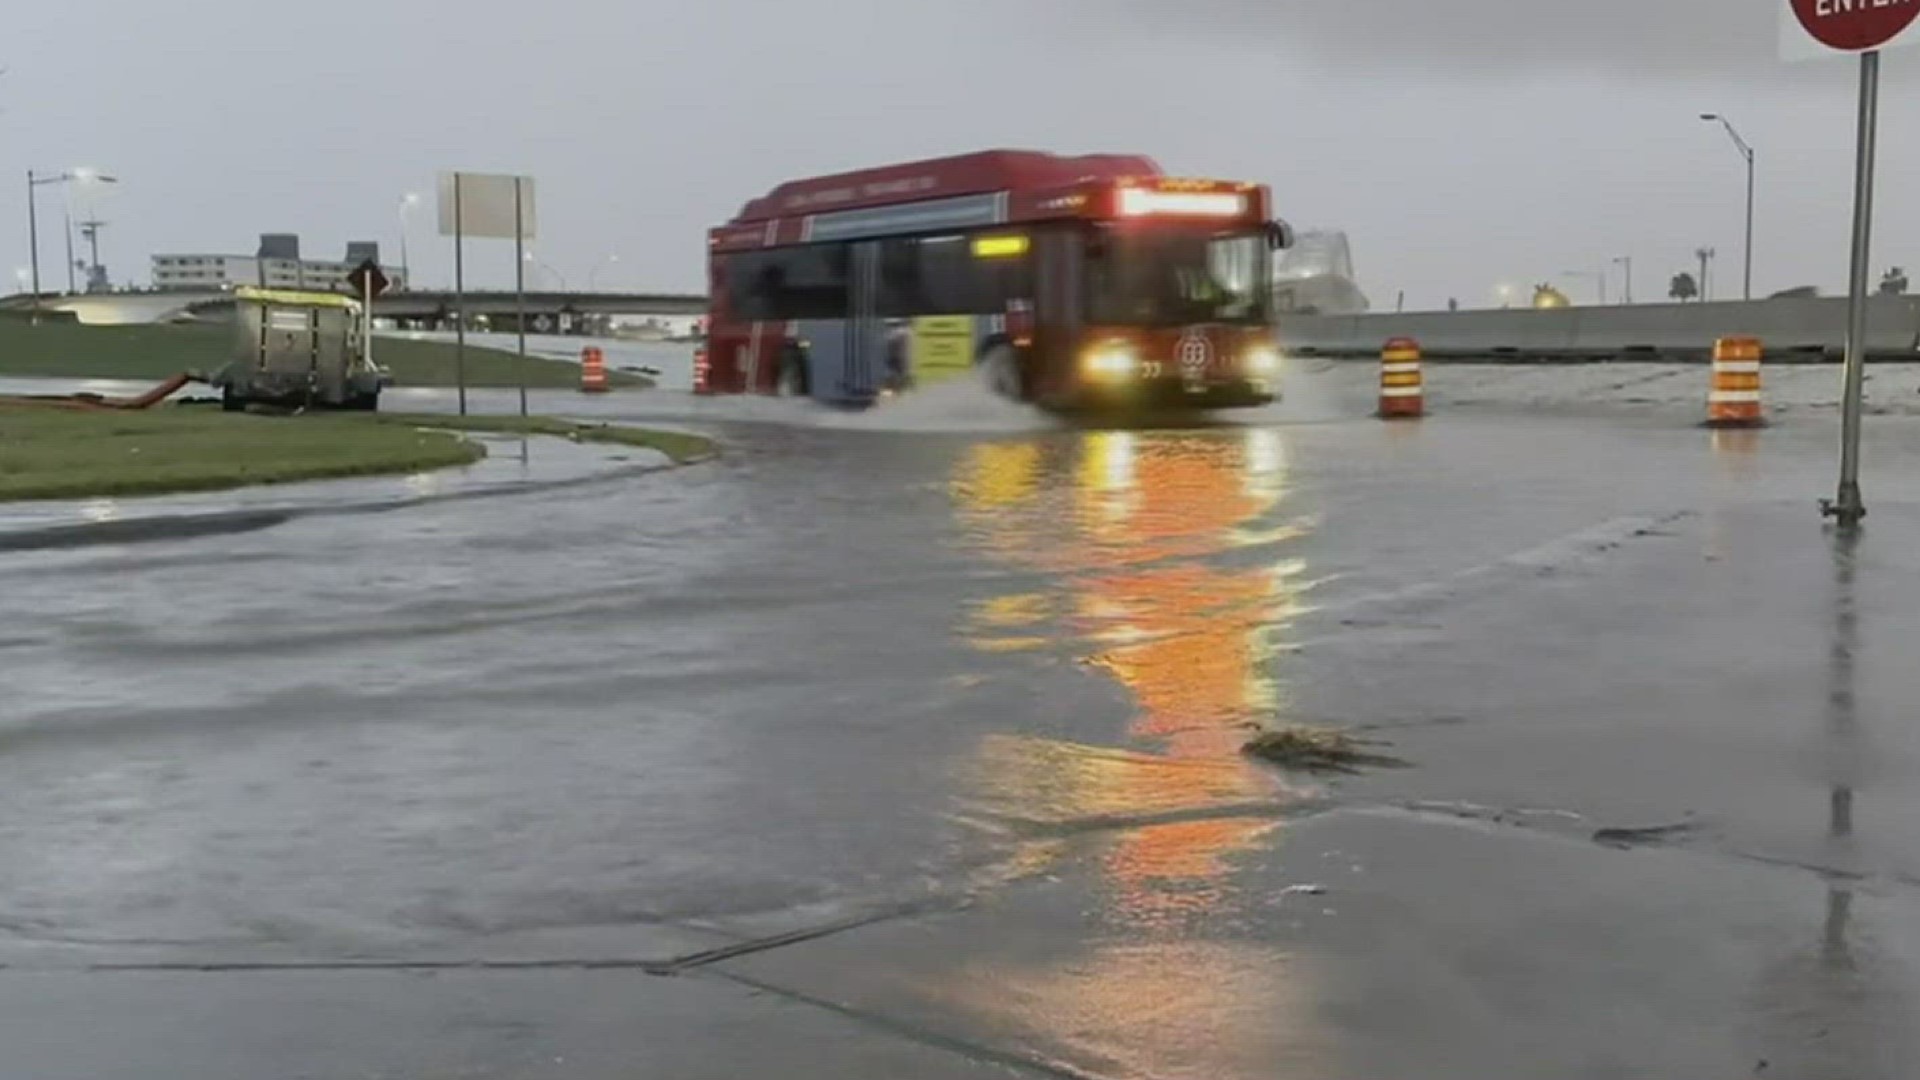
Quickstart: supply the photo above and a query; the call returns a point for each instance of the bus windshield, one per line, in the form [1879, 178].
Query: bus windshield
[1175, 278]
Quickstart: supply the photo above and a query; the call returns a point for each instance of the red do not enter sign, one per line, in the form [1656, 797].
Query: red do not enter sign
[1856, 25]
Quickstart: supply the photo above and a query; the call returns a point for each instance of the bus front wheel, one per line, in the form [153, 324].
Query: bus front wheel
[1000, 369]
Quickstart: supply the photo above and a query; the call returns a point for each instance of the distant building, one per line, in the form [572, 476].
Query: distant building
[276, 265]
[1315, 276]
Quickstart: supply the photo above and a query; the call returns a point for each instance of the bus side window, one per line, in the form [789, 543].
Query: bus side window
[744, 294]
[808, 282]
[813, 282]
[770, 288]
[903, 291]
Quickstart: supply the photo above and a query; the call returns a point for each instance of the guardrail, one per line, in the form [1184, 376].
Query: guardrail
[1803, 329]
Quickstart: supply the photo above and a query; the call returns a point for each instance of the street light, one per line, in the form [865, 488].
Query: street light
[1746, 151]
[557, 275]
[612, 260]
[407, 202]
[34, 183]
[1626, 261]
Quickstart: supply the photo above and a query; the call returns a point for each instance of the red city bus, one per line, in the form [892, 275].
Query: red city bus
[1071, 282]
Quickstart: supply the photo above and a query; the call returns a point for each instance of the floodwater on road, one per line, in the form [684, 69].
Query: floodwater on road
[983, 678]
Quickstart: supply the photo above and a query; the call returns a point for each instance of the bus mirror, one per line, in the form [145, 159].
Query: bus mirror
[1279, 235]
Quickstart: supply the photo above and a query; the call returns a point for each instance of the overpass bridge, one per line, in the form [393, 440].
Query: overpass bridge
[428, 306]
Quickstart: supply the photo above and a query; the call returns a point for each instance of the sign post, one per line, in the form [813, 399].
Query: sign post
[1863, 27]
[370, 282]
[1847, 508]
[520, 285]
[487, 205]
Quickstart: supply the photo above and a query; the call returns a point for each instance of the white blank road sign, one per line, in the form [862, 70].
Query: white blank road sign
[486, 205]
[1797, 44]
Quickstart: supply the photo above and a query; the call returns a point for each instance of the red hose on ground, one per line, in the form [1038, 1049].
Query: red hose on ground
[95, 401]
[152, 397]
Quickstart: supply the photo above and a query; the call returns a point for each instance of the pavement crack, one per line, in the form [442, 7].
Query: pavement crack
[1553, 557]
[651, 967]
[1023, 1064]
[674, 965]
[693, 961]
[1524, 817]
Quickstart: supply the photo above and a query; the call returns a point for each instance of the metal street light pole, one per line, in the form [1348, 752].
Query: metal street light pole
[594, 274]
[67, 218]
[407, 202]
[548, 267]
[33, 241]
[1746, 151]
[1627, 261]
[34, 183]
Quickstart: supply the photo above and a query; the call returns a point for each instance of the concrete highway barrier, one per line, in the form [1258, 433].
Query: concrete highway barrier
[1797, 329]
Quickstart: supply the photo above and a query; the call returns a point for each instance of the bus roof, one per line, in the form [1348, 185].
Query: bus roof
[989, 171]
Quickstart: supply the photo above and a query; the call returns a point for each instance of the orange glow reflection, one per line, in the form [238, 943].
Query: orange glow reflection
[1174, 574]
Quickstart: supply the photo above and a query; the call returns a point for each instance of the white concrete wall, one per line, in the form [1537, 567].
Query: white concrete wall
[1786, 325]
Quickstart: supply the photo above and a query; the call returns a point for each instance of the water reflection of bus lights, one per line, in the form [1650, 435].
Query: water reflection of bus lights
[1266, 467]
[1187, 638]
[1107, 465]
[1185, 626]
[997, 474]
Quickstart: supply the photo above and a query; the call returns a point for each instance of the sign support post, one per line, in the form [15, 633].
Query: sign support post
[1863, 28]
[520, 286]
[459, 294]
[478, 204]
[1847, 508]
[366, 321]
[371, 283]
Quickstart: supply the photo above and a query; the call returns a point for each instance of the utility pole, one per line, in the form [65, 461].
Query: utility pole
[90, 231]
[34, 182]
[1627, 261]
[407, 202]
[67, 216]
[33, 240]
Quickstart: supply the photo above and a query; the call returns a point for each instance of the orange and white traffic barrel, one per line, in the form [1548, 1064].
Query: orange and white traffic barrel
[1402, 387]
[1733, 400]
[593, 370]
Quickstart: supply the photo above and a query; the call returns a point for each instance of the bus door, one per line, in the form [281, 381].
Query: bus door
[866, 331]
[846, 352]
[1058, 305]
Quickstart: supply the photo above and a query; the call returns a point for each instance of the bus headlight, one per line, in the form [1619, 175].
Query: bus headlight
[1262, 361]
[1114, 361]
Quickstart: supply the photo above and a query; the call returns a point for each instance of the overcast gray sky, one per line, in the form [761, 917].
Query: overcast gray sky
[1460, 143]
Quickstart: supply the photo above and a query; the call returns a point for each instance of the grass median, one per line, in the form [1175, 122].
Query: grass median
[72, 351]
[66, 454]
[683, 448]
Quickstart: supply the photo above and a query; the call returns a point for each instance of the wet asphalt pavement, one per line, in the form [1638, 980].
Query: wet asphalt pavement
[908, 745]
